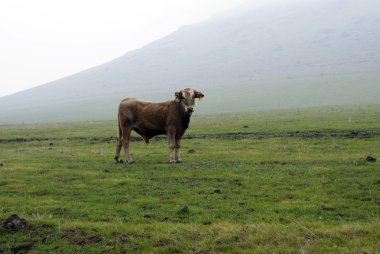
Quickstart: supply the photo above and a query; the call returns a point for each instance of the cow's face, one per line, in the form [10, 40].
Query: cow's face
[187, 98]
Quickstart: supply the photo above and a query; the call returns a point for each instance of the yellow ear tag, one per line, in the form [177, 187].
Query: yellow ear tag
[200, 98]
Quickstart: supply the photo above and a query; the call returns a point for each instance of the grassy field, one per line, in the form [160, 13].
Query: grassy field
[248, 195]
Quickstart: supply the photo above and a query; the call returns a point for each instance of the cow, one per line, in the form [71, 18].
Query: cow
[150, 119]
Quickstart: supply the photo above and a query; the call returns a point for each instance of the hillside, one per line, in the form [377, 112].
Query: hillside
[251, 58]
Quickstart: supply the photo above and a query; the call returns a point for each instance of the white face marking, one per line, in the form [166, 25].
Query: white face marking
[188, 99]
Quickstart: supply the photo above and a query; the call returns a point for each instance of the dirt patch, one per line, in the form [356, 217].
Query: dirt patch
[14, 223]
[327, 208]
[369, 158]
[163, 242]
[184, 209]
[121, 201]
[82, 237]
[23, 248]
[47, 238]
[120, 237]
[123, 242]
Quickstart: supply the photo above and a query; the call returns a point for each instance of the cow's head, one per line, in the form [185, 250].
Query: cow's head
[187, 98]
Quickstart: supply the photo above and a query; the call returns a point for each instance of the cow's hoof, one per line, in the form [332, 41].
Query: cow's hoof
[178, 161]
[121, 161]
[172, 161]
[130, 161]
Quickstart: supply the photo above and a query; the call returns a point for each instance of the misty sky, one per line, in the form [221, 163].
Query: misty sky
[44, 40]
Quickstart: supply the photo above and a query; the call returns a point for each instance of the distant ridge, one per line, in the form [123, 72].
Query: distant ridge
[253, 58]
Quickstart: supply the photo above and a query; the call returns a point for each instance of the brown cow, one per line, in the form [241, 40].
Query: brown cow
[150, 119]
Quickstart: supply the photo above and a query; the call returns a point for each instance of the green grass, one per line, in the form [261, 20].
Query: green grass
[271, 195]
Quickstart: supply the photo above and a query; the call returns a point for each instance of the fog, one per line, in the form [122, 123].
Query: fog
[256, 56]
[45, 40]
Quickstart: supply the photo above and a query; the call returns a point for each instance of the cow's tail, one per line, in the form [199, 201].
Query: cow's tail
[119, 141]
[120, 136]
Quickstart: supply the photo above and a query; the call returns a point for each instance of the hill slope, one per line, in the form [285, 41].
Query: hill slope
[289, 55]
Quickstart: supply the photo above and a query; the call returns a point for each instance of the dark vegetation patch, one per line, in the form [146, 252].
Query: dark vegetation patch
[81, 236]
[23, 248]
[238, 135]
[18, 236]
[184, 209]
[123, 242]
[327, 208]
[14, 223]
[370, 158]
[163, 242]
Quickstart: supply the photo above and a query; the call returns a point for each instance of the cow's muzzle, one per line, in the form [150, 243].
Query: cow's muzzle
[189, 109]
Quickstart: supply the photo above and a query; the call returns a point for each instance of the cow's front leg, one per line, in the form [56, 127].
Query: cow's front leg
[171, 137]
[177, 146]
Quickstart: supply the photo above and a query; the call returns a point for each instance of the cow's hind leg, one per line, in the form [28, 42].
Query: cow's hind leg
[125, 142]
[119, 144]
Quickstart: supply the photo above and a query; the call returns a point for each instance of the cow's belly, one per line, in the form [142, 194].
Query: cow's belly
[148, 133]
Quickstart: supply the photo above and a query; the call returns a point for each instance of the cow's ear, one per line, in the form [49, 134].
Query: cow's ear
[198, 95]
[178, 96]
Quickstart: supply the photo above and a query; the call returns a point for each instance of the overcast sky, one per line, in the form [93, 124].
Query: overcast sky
[44, 40]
